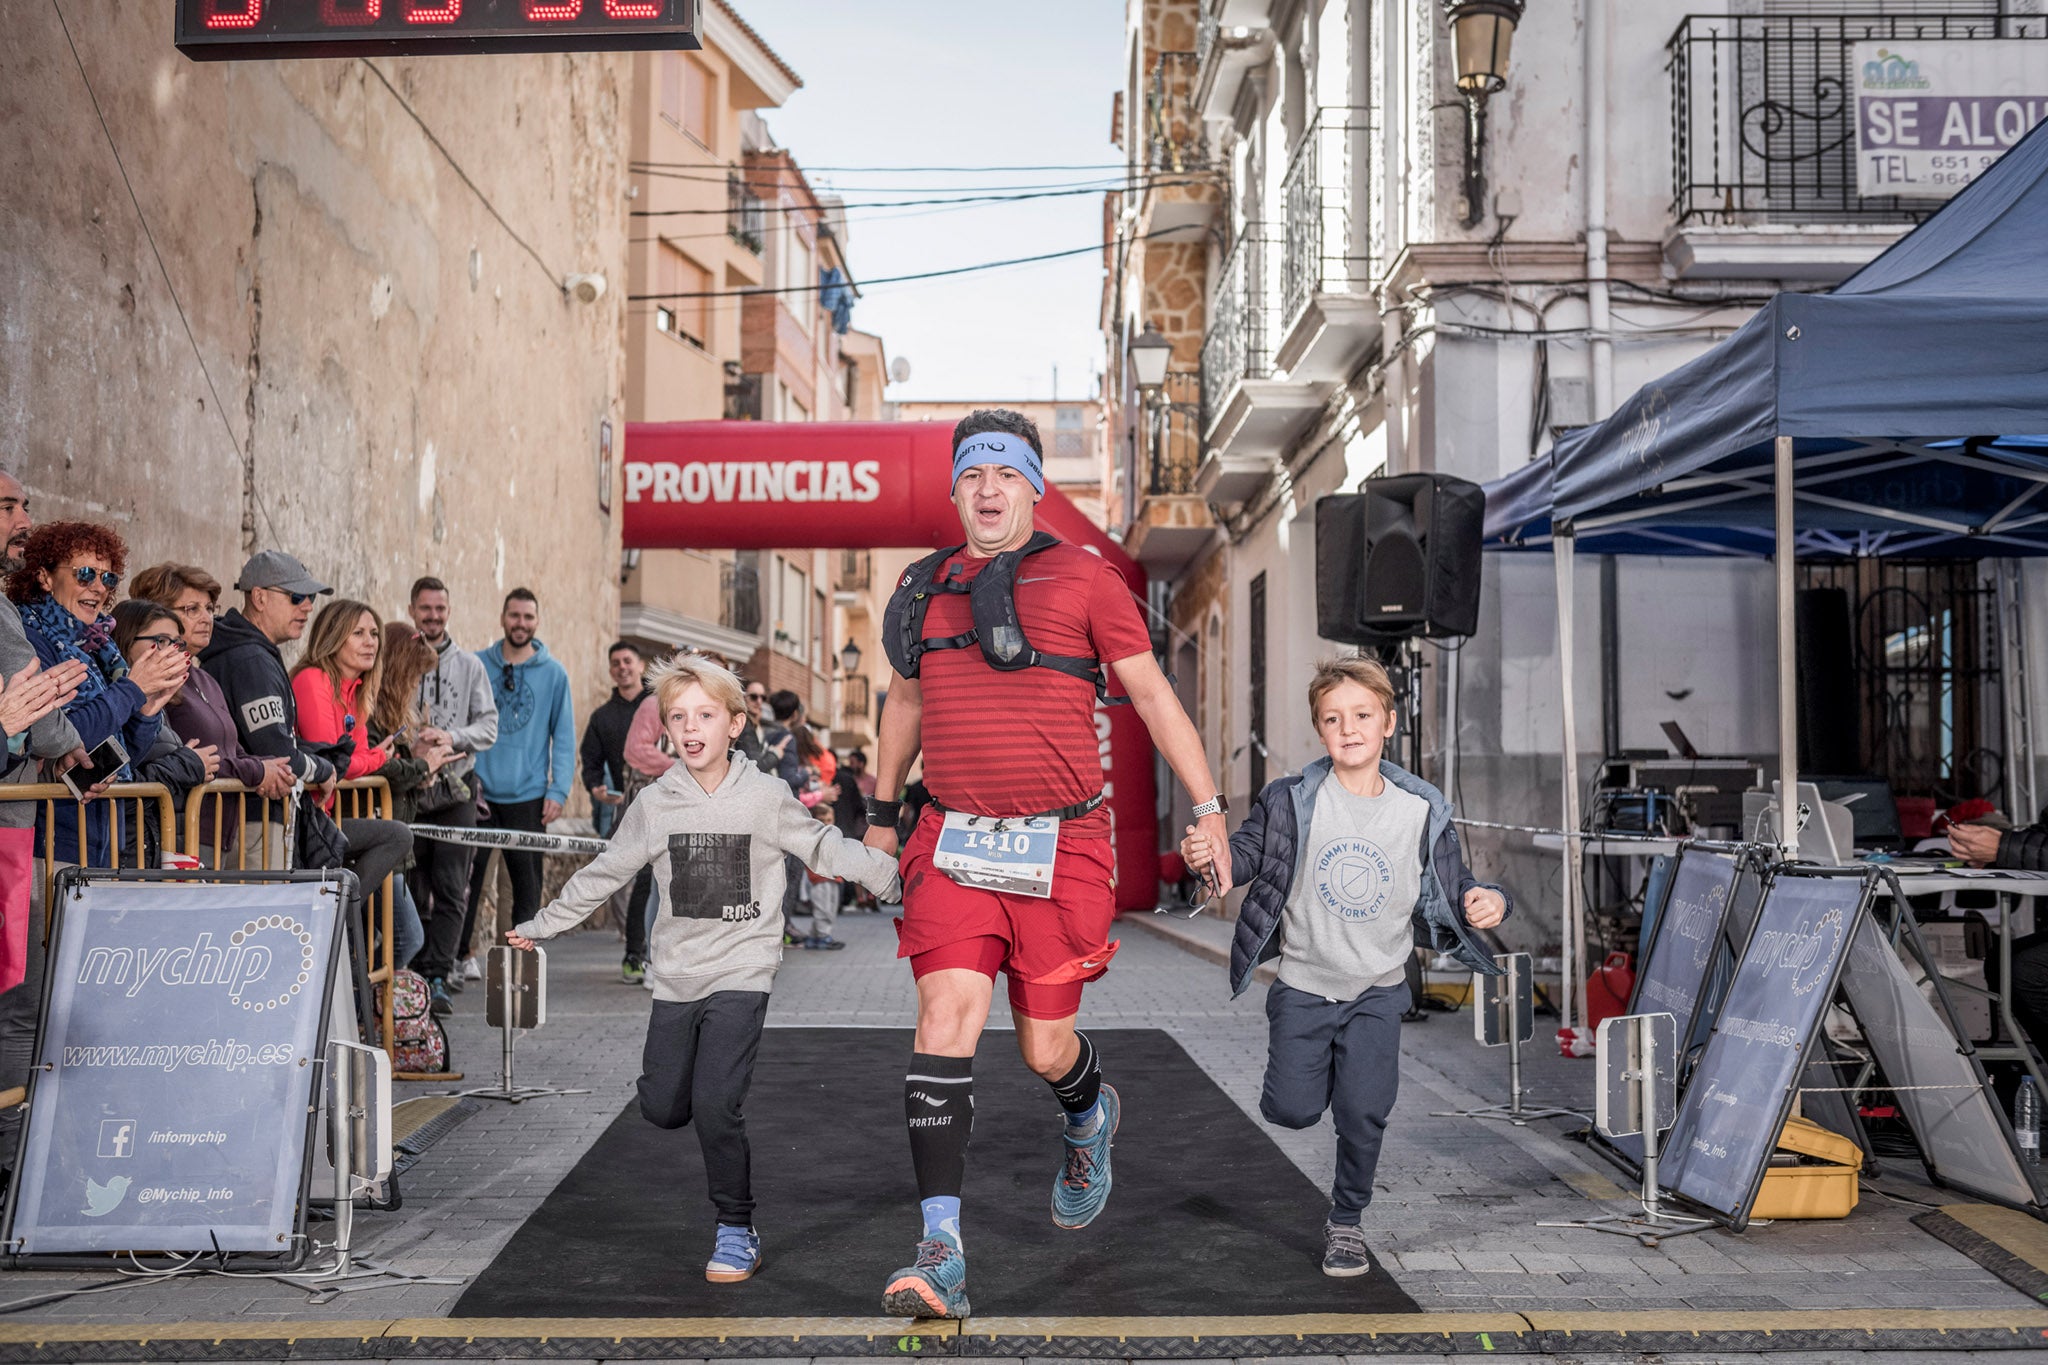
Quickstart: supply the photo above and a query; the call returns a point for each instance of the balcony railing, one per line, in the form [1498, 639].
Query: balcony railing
[1176, 440]
[1208, 28]
[746, 217]
[1328, 193]
[1762, 110]
[739, 598]
[1174, 136]
[854, 701]
[1243, 318]
[856, 570]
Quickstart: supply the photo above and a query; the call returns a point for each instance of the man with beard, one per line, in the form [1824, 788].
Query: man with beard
[527, 772]
[31, 742]
[455, 700]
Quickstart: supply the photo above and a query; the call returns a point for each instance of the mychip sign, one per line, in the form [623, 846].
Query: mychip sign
[181, 1029]
[1932, 116]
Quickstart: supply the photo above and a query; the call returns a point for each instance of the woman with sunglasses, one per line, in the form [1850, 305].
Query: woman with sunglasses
[200, 713]
[65, 589]
[143, 628]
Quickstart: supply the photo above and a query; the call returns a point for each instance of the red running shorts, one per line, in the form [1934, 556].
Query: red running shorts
[1049, 948]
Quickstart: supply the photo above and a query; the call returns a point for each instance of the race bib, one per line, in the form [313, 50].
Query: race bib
[994, 853]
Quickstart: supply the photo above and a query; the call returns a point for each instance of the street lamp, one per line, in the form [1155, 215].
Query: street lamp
[849, 657]
[1150, 353]
[1481, 33]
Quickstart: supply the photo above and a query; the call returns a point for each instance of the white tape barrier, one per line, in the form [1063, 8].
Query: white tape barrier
[512, 838]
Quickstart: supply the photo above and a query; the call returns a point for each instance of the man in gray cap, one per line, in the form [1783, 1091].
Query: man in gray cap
[277, 597]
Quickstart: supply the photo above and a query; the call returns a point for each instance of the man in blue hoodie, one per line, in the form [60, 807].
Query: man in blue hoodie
[525, 776]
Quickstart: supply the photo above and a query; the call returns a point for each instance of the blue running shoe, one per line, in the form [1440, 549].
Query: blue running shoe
[934, 1287]
[735, 1256]
[1083, 1185]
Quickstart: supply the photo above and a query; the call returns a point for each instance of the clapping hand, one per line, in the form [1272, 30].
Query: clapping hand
[29, 696]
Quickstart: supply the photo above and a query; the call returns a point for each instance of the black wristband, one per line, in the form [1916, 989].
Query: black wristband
[881, 812]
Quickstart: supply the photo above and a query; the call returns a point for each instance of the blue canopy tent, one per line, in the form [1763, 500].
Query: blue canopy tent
[1900, 414]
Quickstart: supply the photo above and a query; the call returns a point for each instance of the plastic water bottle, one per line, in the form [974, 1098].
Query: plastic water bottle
[2026, 1121]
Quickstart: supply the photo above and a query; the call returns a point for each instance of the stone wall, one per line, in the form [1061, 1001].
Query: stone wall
[317, 333]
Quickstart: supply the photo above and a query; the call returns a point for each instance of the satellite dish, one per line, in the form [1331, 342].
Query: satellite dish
[899, 370]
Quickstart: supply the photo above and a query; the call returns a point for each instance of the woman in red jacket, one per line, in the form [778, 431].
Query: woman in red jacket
[336, 683]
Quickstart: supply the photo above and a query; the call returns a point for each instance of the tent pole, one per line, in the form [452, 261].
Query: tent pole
[1786, 548]
[1572, 932]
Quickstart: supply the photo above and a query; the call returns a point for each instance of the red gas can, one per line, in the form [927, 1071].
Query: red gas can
[1609, 987]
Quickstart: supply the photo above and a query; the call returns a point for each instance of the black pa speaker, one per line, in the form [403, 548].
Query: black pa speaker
[1400, 557]
[1830, 719]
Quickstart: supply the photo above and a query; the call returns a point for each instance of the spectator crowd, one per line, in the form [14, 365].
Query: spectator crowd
[169, 684]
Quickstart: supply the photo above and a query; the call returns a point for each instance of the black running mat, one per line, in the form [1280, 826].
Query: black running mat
[1206, 1216]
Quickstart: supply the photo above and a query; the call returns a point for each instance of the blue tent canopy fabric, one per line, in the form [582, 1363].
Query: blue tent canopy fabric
[1915, 394]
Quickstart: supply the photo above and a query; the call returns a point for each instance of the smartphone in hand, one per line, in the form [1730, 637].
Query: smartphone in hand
[102, 763]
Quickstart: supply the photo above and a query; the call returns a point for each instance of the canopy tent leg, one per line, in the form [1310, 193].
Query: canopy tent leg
[1787, 553]
[1572, 933]
[2020, 802]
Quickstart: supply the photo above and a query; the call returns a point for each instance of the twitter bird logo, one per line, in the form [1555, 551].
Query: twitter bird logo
[101, 1200]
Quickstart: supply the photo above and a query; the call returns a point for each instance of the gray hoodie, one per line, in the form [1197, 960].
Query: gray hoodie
[718, 872]
[457, 697]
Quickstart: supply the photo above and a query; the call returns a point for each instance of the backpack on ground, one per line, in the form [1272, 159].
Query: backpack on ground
[419, 1043]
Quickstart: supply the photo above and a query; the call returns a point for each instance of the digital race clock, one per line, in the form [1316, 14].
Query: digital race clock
[229, 30]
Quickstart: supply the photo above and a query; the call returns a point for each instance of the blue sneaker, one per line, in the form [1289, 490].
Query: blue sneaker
[1083, 1184]
[736, 1255]
[934, 1287]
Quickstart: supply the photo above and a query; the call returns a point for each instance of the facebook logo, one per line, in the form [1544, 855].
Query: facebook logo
[117, 1137]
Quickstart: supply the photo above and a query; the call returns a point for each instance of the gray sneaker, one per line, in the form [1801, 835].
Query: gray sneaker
[1344, 1253]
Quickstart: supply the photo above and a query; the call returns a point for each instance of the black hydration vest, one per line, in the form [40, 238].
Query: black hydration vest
[993, 598]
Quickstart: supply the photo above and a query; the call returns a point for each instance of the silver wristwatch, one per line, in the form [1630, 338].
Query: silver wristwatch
[1215, 805]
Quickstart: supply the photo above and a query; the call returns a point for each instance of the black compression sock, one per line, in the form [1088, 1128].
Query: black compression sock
[938, 1107]
[1082, 1085]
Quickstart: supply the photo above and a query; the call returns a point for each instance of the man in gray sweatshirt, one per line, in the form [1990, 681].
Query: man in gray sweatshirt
[456, 701]
[715, 833]
[47, 740]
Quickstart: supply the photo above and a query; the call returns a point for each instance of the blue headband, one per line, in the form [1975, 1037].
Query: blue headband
[999, 447]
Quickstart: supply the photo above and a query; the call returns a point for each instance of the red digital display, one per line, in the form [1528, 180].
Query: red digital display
[242, 30]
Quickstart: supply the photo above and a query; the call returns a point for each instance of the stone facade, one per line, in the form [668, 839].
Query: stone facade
[330, 319]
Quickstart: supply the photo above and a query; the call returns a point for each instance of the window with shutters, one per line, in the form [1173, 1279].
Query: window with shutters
[684, 308]
[699, 115]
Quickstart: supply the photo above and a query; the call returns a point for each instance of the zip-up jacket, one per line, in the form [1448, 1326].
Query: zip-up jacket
[718, 872]
[534, 756]
[604, 740]
[251, 675]
[456, 698]
[1269, 849]
[50, 737]
[323, 718]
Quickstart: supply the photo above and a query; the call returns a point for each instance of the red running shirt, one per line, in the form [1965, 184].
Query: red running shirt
[1019, 743]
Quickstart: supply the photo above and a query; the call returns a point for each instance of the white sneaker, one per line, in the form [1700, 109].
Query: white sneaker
[647, 981]
[471, 969]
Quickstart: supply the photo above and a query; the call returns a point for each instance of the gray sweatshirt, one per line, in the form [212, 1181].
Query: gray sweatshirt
[50, 737]
[718, 872]
[457, 697]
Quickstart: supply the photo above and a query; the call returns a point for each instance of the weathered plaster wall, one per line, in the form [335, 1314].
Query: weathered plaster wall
[392, 384]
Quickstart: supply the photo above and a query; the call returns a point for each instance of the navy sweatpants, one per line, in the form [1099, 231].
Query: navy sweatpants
[1340, 1055]
[695, 1069]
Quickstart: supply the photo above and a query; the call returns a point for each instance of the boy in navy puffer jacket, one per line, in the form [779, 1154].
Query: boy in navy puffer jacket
[1342, 863]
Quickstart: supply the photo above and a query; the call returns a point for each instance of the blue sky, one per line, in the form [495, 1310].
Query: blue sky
[902, 83]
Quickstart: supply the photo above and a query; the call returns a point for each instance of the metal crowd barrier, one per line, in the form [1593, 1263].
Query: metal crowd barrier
[128, 841]
[369, 798]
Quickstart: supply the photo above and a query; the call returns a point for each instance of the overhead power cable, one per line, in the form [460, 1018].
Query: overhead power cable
[774, 178]
[765, 207]
[934, 170]
[901, 279]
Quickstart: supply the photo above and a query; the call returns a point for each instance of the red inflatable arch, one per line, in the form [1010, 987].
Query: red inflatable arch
[866, 486]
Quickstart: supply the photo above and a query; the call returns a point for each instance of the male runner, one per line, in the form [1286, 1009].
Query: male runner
[1004, 743]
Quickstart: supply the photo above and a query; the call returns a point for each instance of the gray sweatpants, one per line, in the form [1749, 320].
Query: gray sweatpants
[824, 907]
[1340, 1055]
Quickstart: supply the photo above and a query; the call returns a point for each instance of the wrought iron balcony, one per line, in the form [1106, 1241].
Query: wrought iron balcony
[746, 217]
[1243, 318]
[1174, 136]
[1175, 440]
[1208, 28]
[856, 570]
[854, 697]
[739, 597]
[1762, 113]
[1329, 194]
